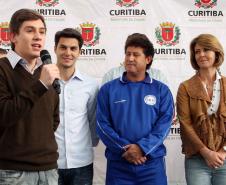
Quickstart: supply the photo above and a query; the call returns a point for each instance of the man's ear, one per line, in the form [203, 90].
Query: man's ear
[148, 60]
[12, 37]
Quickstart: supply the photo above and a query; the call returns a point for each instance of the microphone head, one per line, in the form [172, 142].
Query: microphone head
[44, 54]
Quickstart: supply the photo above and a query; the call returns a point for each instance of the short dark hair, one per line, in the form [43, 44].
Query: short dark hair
[141, 40]
[21, 16]
[69, 33]
[3, 51]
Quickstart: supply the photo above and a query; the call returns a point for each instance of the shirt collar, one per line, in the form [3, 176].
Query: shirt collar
[77, 75]
[14, 59]
[218, 76]
[147, 78]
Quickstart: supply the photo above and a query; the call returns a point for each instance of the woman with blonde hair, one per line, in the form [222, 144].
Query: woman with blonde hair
[201, 108]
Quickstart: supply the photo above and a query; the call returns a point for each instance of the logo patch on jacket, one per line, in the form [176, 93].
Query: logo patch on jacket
[150, 100]
[120, 101]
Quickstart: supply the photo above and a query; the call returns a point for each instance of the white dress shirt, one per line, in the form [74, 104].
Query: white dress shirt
[76, 134]
[116, 72]
[215, 101]
[14, 58]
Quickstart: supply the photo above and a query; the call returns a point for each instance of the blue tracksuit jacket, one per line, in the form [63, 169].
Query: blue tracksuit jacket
[134, 113]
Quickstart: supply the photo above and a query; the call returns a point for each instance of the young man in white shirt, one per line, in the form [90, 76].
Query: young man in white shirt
[76, 134]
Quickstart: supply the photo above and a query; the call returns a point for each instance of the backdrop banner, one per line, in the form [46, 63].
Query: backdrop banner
[105, 25]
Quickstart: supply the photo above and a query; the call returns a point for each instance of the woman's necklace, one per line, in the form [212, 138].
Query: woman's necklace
[208, 86]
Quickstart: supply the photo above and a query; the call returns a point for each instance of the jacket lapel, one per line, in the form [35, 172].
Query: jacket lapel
[196, 89]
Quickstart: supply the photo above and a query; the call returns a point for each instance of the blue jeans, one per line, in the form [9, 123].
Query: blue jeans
[152, 172]
[76, 176]
[198, 173]
[12, 177]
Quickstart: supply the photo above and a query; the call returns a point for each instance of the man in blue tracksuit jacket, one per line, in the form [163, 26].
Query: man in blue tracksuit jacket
[134, 114]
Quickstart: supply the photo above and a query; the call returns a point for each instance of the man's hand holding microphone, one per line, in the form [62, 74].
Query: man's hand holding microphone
[50, 73]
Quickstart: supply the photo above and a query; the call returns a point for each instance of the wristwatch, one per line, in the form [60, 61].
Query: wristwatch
[224, 148]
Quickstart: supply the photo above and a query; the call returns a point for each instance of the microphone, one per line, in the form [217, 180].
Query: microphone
[46, 59]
